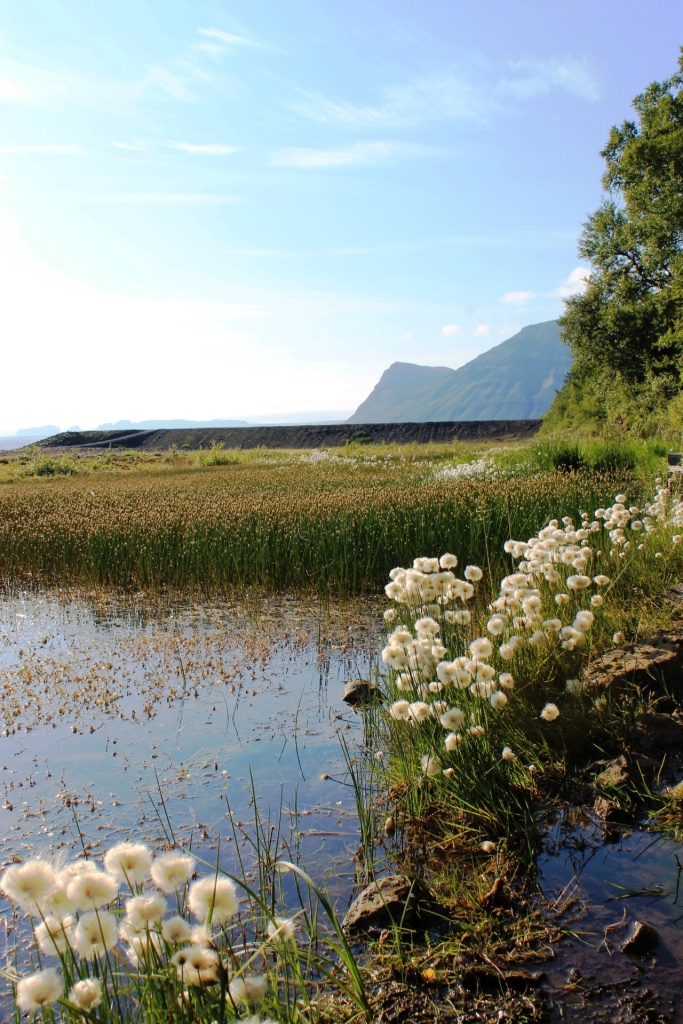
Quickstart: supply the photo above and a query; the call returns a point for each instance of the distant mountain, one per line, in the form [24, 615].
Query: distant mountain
[516, 380]
[169, 424]
[47, 431]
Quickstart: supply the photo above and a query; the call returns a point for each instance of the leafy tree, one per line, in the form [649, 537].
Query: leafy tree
[627, 328]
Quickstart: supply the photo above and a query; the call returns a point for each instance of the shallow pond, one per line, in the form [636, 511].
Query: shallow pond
[109, 705]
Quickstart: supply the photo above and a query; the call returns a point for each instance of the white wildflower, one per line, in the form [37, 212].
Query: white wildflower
[170, 871]
[508, 754]
[96, 932]
[86, 994]
[488, 847]
[574, 686]
[498, 700]
[400, 710]
[213, 896]
[29, 885]
[453, 741]
[91, 889]
[175, 930]
[129, 862]
[39, 990]
[430, 765]
[249, 989]
[196, 966]
[550, 712]
[473, 573]
[452, 719]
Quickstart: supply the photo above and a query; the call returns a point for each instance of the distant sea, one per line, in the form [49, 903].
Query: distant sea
[16, 442]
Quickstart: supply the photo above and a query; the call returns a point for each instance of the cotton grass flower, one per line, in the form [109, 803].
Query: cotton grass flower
[170, 871]
[430, 765]
[452, 719]
[574, 686]
[175, 930]
[86, 995]
[498, 700]
[143, 912]
[481, 647]
[453, 741]
[129, 862]
[400, 710]
[54, 936]
[550, 712]
[506, 681]
[418, 711]
[95, 933]
[283, 928]
[249, 989]
[488, 847]
[29, 885]
[39, 990]
[473, 573]
[508, 754]
[462, 617]
[215, 897]
[92, 889]
[196, 966]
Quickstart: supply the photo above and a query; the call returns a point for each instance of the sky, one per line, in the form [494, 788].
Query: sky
[231, 209]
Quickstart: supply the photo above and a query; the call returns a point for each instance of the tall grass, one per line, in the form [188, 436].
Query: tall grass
[309, 527]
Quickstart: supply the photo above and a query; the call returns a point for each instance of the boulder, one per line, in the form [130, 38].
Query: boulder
[360, 691]
[656, 732]
[393, 900]
[640, 663]
[614, 774]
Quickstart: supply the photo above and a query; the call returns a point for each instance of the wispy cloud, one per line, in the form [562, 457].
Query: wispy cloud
[167, 81]
[481, 331]
[575, 284]
[516, 298]
[156, 198]
[10, 90]
[451, 330]
[135, 147]
[356, 155]
[538, 78]
[477, 92]
[203, 149]
[229, 38]
[46, 148]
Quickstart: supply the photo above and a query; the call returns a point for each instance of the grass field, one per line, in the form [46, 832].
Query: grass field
[322, 521]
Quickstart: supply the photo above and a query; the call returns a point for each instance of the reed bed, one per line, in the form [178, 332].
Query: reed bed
[321, 526]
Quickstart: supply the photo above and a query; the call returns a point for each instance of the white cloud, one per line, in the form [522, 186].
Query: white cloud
[481, 331]
[516, 298]
[204, 149]
[450, 330]
[154, 197]
[538, 78]
[135, 147]
[223, 37]
[10, 90]
[405, 337]
[358, 154]
[475, 92]
[575, 284]
[48, 148]
[168, 82]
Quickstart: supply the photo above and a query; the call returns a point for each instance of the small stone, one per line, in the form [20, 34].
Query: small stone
[615, 774]
[393, 900]
[607, 810]
[643, 939]
[359, 691]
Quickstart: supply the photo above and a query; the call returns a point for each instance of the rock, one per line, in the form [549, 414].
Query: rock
[607, 810]
[393, 900]
[643, 939]
[360, 691]
[615, 774]
[674, 597]
[656, 732]
[659, 657]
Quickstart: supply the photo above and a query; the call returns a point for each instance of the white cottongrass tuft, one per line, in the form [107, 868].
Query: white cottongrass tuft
[575, 686]
[170, 871]
[506, 681]
[29, 885]
[95, 933]
[143, 912]
[215, 897]
[128, 862]
[196, 966]
[54, 936]
[488, 847]
[175, 930]
[283, 928]
[91, 889]
[550, 712]
[498, 700]
[452, 719]
[249, 989]
[508, 754]
[86, 994]
[473, 573]
[39, 990]
[430, 765]
[448, 561]
[481, 647]
[453, 741]
[400, 710]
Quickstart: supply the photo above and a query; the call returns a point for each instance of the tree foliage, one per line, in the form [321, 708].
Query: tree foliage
[627, 327]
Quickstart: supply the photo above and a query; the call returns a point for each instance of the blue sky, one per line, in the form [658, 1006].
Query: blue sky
[222, 209]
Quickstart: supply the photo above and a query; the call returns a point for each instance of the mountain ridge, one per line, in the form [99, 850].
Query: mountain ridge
[514, 380]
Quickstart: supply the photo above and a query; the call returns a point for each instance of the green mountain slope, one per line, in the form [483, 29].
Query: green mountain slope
[515, 380]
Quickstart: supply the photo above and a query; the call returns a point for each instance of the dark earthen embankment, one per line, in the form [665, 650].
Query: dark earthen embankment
[308, 436]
